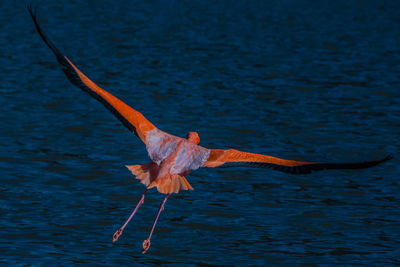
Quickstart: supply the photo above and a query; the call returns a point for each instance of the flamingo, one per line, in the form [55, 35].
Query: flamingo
[172, 157]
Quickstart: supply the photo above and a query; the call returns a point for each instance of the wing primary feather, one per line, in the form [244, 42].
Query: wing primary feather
[308, 168]
[60, 57]
[75, 77]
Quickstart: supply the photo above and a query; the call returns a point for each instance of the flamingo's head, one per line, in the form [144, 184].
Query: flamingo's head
[193, 137]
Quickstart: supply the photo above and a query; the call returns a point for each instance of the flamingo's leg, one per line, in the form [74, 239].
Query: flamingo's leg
[146, 243]
[119, 231]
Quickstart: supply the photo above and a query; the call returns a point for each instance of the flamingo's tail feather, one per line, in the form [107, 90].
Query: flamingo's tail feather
[143, 172]
[171, 183]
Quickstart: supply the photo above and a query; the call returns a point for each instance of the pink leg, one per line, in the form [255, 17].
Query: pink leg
[146, 243]
[119, 231]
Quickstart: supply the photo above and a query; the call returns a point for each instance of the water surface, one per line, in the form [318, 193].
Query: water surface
[299, 80]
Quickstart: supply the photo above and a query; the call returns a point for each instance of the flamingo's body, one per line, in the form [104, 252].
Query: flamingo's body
[173, 158]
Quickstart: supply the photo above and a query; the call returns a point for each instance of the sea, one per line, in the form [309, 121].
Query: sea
[304, 80]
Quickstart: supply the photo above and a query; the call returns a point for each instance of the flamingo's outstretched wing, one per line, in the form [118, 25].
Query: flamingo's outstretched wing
[129, 117]
[232, 157]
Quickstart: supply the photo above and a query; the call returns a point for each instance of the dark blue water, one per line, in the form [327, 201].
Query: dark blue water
[308, 80]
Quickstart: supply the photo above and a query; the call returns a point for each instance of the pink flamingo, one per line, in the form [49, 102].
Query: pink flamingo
[172, 157]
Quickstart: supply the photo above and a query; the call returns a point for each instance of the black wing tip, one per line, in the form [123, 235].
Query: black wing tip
[388, 157]
[60, 57]
[356, 165]
[31, 9]
[376, 162]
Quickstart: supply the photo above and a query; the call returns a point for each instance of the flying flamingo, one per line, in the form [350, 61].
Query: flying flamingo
[172, 157]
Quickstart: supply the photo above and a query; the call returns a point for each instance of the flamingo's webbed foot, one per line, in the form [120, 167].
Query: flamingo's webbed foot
[146, 245]
[117, 234]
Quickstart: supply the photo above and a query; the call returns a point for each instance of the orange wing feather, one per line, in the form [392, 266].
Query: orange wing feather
[219, 157]
[135, 118]
[131, 118]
